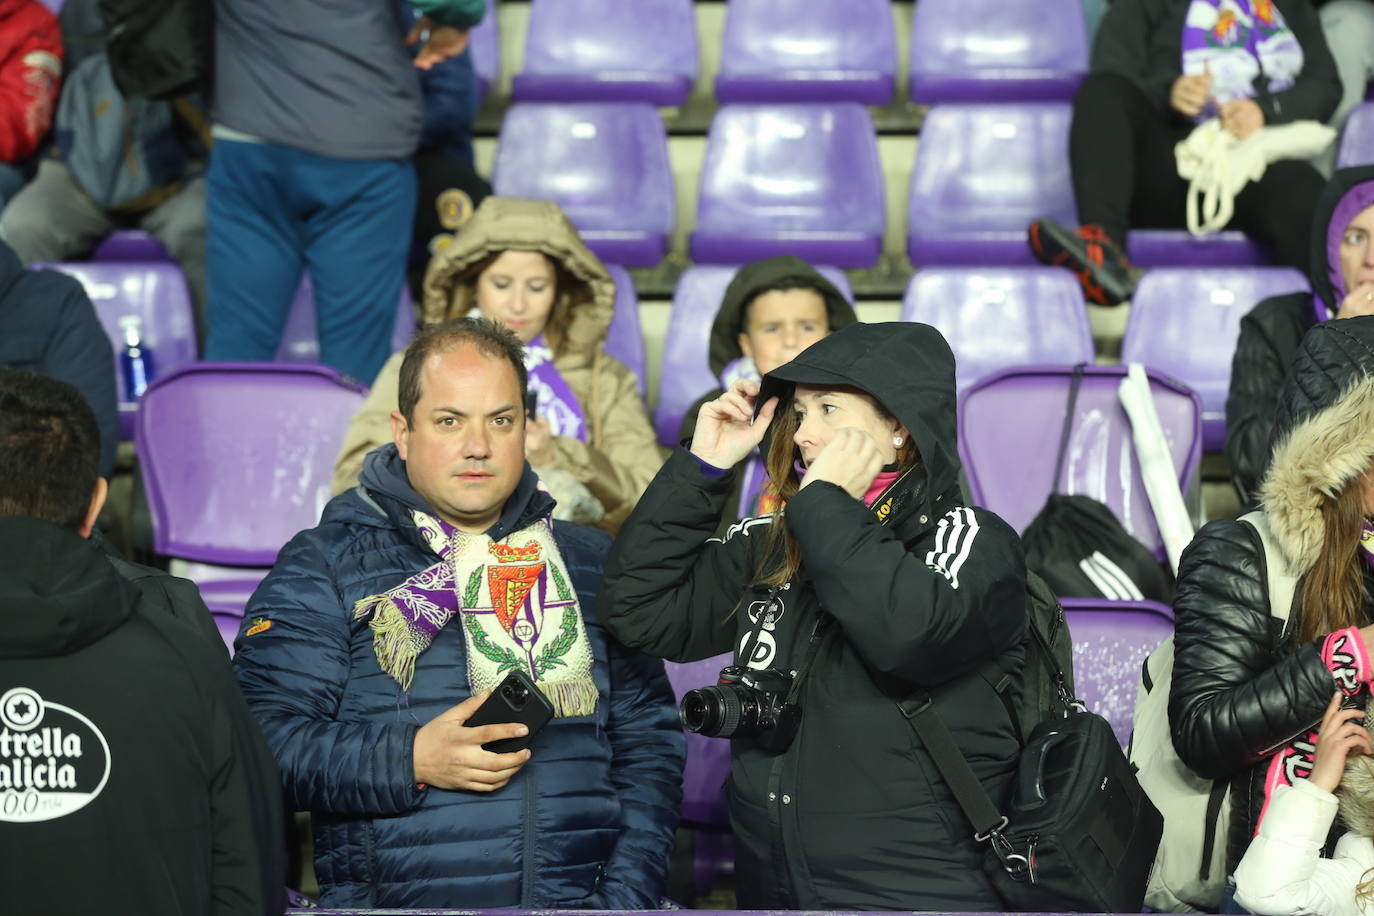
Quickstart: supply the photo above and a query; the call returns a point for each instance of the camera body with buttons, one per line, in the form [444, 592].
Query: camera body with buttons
[744, 703]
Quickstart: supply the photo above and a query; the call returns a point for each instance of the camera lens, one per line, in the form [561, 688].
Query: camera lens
[711, 711]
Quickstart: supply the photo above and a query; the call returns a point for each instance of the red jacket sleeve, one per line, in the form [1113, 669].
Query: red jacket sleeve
[30, 77]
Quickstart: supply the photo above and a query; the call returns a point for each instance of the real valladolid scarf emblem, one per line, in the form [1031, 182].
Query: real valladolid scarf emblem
[514, 603]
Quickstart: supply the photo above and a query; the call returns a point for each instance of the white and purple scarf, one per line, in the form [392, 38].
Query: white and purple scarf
[556, 402]
[514, 602]
[1236, 41]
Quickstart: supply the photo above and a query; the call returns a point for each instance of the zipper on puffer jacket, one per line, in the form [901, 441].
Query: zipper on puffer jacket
[527, 862]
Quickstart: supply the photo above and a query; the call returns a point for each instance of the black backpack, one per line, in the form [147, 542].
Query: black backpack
[160, 49]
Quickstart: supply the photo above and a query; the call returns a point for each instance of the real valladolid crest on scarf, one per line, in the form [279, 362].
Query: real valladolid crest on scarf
[514, 602]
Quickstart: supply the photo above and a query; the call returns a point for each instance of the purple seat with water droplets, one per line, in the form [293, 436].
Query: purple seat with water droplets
[998, 317]
[236, 459]
[984, 172]
[686, 372]
[485, 42]
[1009, 431]
[606, 165]
[154, 292]
[997, 50]
[790, 179]
[301, 344]
[1110, 642]
[624, 339]
[609, 50]
[834, 51]
[1357, 137]
[1186, 321]
[130, 245]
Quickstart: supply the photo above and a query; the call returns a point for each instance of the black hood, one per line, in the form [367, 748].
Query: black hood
[384, 475]
[746, 285]
[1331, 359]
[1348, 192]
[58, 590]
[908, 367]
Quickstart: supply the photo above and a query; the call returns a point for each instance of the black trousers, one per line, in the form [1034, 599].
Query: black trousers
[1121, 150]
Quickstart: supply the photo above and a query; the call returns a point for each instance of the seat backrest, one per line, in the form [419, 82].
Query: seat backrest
[708, 759]
[996, 318]
[1185, 322]
[237, 457]
[686, 372]
[611, 37]
[624, 338]
[1009, 429]
[1357, 137]
[485, 42]
[1110, 642]
[301, 344]
[605, 164]
[989, 50]
[130, 245]
[983, 172]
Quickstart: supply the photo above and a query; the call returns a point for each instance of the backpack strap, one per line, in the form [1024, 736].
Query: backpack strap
[1279, 577]
[1074, 383]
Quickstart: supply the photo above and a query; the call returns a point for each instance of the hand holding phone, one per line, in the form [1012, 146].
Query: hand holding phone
[516, 699]
[449, 752]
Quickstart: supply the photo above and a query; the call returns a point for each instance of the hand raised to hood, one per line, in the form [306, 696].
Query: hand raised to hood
[726, 430]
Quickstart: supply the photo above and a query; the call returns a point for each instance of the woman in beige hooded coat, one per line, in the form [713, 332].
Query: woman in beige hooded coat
[522, 263]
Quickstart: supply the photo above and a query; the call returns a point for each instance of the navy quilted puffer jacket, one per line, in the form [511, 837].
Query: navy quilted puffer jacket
[588, 822]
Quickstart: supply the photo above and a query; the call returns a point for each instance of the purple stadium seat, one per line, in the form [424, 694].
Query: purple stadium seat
[998, 317]
[790, 179]
[130, 245]
[686, 373]
[1185, 322]
[997, 50]
[155, 292]
[300, 343]
[609, 51]
[485, 42]
[983, 172]
[1009, 428]
[834, 51]
[606, 165]
[228, 624]
[624, 339]
[1357, 138]
[704, 806]
[1110, 642]
[237, 458]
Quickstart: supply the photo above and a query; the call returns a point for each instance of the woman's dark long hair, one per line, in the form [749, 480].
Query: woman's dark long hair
[1333, 589]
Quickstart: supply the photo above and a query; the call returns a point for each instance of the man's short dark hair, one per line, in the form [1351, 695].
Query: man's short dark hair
[783, 285]
[489, 337]
[49, 449]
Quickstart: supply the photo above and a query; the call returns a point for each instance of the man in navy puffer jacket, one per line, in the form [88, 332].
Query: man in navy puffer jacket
[362, 697]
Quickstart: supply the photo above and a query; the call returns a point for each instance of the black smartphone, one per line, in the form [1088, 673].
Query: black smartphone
[531, 402]
[515, 699]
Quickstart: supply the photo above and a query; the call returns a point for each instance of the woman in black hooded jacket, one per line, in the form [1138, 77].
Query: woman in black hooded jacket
[1248, 693]
[877, 573]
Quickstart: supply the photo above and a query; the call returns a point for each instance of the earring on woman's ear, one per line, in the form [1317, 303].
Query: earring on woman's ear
[897, 441]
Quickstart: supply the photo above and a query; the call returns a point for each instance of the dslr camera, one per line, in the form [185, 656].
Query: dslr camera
[744, 703]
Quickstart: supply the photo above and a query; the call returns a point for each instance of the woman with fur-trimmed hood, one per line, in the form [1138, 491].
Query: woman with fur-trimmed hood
[521, 262]
[1248, 694]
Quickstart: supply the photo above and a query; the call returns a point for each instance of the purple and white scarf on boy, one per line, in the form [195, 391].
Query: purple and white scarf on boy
[514, 602]
[556, 402]
[1236, 40]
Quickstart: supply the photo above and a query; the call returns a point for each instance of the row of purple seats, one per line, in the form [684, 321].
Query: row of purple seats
[837, 51]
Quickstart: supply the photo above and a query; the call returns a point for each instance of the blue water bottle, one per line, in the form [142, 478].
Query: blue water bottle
[135, 362]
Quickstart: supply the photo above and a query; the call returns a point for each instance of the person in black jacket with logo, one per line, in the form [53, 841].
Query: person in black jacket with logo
[133, 778]
[872, 582]
[1249, 692]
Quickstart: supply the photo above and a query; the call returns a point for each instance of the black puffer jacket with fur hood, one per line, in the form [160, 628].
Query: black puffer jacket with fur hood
[1242, 687]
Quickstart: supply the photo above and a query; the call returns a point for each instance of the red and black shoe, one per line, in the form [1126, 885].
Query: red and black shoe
[1097, 260]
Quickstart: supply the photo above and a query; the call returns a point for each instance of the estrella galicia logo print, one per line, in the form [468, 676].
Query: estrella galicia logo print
[53, 760]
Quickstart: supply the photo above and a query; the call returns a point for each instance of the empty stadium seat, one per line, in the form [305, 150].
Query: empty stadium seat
[832, 51]
[156, 294]
[606, 165]
[995, 318]
[1009, 431]
[1357, 138]
[686, 374]
[997, 50]
[1110, 642]
[130, 245]
[624, 339]
[236, 459]
[1185, 322]
[301, 344]
[485, 43]
[790, 179]
[984, 172]
[609, 51]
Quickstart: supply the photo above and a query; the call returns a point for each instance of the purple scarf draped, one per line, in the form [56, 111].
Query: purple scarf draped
[1237, 41]
[556, 402]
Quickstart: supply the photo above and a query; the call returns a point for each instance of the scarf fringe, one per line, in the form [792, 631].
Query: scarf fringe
[571, 698]
[393, 640]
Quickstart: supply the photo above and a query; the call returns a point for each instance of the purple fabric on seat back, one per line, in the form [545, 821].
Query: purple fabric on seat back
[609, 51]
[224, 589]
[1110, 642]
[998, 317]
[686, 372]
[1357, 137]
[790, 179]
[606, 165]
[228, 625]
[485, 42]
[1009, 430]
[1178, 248]
[833, 51]
[156, 293]
[624, 339]
[708, 759]
[130, 245]
[995, 50]
[1185, 322]
[237, 457]
[301, 344]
